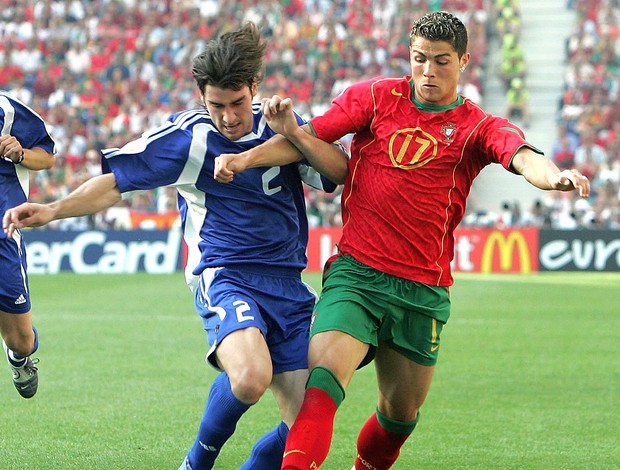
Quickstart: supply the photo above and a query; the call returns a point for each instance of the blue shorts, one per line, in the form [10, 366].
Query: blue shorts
[14, 296]
[274, 300]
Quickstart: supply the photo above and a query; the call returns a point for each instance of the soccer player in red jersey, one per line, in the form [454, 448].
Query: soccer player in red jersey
[416, 150]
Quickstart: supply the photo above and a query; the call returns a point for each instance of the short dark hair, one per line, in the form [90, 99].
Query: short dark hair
[233, 60]
[441, 26]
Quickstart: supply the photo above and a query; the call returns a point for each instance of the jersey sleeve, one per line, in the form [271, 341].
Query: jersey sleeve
[500, 140]
[25, 125]
[349, 113]
[314, 179]
[155, 159]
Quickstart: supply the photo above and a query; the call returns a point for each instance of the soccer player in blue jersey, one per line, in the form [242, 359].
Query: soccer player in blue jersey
[25, 145]
[247, 241]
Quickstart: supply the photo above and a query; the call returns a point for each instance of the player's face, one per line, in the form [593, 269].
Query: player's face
[231, 110]
[435, 70]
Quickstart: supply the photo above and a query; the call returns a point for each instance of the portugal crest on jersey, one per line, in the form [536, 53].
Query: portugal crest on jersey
[448, 130]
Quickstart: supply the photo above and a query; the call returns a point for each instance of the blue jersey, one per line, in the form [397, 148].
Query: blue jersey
[25, 125]
[258, 219]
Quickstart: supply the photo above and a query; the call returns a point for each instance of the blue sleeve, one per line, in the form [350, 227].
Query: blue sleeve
[155, 159]
[25, 125]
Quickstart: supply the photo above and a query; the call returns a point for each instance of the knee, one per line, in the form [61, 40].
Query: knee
[21, 344]
[249, 384]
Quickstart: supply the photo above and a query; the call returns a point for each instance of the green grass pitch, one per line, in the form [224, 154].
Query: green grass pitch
[528, 378]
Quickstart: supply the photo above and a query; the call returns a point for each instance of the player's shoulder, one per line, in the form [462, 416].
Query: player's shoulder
[383, 83]
[362, 92]
[489, 122]
[471, 108]
[192, 113]
[7, 95]
[8, 101]
[382, 86]
[189, 117]
[476, 111]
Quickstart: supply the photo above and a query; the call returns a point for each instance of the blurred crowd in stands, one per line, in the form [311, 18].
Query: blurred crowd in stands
[589, 113]
[101, 72]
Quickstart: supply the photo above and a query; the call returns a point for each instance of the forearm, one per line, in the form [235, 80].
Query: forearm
[37, 159]
[541, 172]
[537, 169]
[326, 158]
[277, 151]
[93, 196]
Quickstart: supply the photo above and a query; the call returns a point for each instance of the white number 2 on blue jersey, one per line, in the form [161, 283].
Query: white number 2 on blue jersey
[269, 175]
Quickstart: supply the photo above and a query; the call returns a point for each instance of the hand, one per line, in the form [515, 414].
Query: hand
[226, 165]
[279, 115]
[567, 180]
[10, 148]
[26, 215]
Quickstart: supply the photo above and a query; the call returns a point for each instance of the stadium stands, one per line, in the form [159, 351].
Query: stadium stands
[101, 72]
[589, 113]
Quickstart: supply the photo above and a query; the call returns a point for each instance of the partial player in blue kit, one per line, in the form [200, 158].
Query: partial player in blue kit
[246, 241]
[25, 145]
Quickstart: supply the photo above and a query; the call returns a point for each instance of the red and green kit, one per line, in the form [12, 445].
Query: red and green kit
[412, 166]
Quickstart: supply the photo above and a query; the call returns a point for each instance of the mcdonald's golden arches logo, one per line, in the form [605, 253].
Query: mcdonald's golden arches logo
[511, 247]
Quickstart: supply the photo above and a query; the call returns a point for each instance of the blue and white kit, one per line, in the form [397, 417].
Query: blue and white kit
[246, 239]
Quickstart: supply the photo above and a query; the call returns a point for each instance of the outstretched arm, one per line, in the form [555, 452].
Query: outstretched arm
[541, 172]
[293, 144]
[94, 195]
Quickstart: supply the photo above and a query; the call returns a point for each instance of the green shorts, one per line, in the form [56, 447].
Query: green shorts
[376, 307]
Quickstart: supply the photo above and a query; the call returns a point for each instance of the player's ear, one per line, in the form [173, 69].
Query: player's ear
[463, 62]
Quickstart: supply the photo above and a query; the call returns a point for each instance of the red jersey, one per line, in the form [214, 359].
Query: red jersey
[411, 170]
